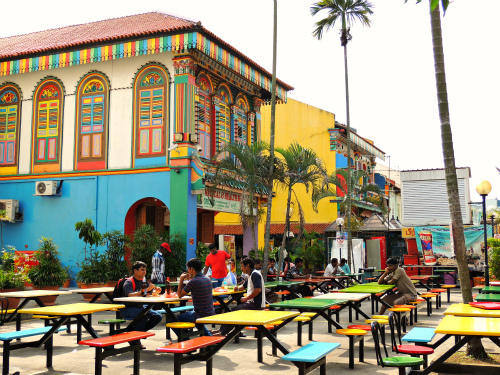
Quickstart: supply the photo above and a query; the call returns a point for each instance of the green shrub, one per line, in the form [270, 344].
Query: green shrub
[49, 271]
[494, 257]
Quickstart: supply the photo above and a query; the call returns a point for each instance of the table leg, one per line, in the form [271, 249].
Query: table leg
[329, 319]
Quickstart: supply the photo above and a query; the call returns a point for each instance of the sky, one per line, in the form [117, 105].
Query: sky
[392, 88]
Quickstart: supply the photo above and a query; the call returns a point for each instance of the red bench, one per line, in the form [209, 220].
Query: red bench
[189, 346]
[105, 347]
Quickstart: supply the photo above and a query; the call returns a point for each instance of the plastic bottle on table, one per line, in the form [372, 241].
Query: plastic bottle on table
[224, 286]
[168, 287]
[144, 287]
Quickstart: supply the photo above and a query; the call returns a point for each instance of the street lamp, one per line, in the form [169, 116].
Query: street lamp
[483, 189]
[340, 235]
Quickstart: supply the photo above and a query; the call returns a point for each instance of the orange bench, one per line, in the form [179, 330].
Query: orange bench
[104, 347]
[189, 346]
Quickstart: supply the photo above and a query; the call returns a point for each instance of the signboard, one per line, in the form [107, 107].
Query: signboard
[436, 241]
[497, 236]
[224, 201]
[408, 232]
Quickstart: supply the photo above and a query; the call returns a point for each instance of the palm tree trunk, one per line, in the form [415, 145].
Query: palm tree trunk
[267, 233]
[254, 235]
[475, 347]
[348, 135]
[285, 235]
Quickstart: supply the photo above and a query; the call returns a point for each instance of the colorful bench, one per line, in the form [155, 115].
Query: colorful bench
[189, 346]
[421, 335]
[8, 346]
[104, 347]
[311, 356]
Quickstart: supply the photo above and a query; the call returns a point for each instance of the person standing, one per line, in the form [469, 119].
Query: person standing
[256, 297]
[200, 288]
[133, 287]
[395, 275]
[216, 260]
[158, 264]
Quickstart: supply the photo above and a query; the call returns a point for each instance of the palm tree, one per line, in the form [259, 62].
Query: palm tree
[267, 232]
[248, 168]
[339, 180]
[301, 166]
[474, 347]
[347, 11]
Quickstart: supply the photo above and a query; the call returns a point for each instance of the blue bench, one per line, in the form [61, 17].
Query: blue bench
[8, 346]
[176, 309]
[420, 335]
[311, 356]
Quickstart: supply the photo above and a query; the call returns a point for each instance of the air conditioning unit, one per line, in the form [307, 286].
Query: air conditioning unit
[8, 209]
[46, 188]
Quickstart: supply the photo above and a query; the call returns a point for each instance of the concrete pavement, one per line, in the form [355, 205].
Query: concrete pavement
[241, 358]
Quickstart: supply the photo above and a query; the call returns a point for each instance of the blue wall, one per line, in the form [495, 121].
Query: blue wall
[104, 199]
[379, 180]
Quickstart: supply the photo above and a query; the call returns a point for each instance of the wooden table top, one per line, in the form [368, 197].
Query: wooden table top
[464, 309]
[150, 299]
[344, 296]
[248, 317]
[105, 289]
[308, 303]
[33, 293]
[72, 309]
[469, 326]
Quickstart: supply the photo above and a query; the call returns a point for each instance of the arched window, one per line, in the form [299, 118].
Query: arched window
[240, 122]
[92, 122]
[10, 109]
[223, 120]
[204, 116]
[47, 133]
[150, 116]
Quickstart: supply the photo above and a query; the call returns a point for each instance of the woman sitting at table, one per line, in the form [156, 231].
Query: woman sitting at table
[394, 275]
[256, 296]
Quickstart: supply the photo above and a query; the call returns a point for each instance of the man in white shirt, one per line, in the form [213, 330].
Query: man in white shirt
[331, 270]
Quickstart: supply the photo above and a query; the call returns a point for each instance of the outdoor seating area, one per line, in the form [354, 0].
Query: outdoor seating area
[395, 339]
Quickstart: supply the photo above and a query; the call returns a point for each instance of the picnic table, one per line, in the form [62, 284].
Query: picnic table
[318, 306]
[431, 281]
[465, 328]
[64, 313]
[256, 318]
[27, 296]
[225, 298]
[490, 289]
[488, 297]
[149, 302]
[278, 286]
[107, 291]
[315, 283]
[376, 290]
[464, 309]
[352, 300]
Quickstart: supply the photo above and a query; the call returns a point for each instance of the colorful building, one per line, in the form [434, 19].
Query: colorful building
[117, 121]
[317, 129]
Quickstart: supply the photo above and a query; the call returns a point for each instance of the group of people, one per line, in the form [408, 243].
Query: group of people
[200, 286]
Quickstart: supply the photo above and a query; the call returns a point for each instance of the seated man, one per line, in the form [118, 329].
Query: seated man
[344, 266]
[294, 273]
[133, 288]
[255, 299]
[200, 288]
[406, 290]
[272, 267]
[331, 270]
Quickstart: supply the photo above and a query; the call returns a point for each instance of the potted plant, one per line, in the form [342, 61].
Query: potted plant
[145, 243]
[10, 280]
[92, 273]
[116, 265]
[48, 273]
[175, 262]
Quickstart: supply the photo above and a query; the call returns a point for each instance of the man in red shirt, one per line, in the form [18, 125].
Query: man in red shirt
[216, 260]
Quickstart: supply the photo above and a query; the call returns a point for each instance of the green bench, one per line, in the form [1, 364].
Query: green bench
[8, 346]
[311, 356]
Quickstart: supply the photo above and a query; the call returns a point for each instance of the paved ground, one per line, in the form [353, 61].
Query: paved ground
[71, 358]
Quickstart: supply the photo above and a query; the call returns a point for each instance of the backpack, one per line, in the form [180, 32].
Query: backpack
[118, 291]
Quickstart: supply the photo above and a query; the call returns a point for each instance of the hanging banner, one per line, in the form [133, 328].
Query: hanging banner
[435, 245]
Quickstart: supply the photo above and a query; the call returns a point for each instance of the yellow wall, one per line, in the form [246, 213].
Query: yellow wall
[307, 125]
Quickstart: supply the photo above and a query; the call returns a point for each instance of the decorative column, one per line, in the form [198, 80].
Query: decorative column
[185, 89]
